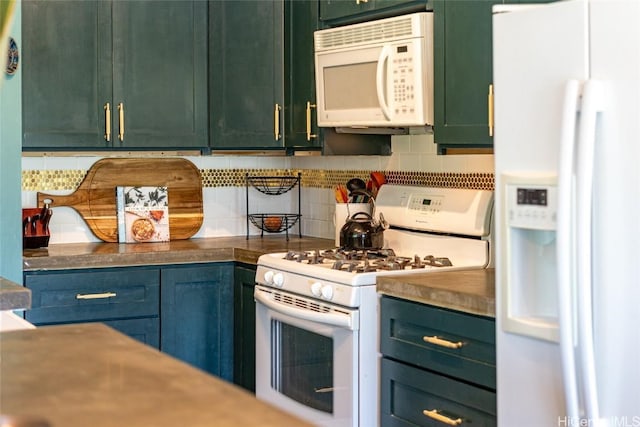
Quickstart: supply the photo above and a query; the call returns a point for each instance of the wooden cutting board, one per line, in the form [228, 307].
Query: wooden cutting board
[95, 197]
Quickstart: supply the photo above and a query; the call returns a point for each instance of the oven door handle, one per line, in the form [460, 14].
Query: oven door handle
[341, 320]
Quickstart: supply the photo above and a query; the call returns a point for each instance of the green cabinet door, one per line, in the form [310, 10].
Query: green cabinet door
[335, 9]
[301, 20]
[339, 12]
[244, 332]
[462, 72]
[196, 316]
[66, 72]
[82, 57]
[246, 75]
[160, 73]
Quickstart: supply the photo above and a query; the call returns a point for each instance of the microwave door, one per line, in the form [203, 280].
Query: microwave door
[348, 88]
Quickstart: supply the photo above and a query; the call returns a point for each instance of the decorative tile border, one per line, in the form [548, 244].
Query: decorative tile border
[70, 179]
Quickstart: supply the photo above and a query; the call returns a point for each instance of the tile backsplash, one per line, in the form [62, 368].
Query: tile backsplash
[414, 161]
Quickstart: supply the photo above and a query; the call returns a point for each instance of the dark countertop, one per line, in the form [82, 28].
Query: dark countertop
[13, 296]
[97, 255]
[91, 375]
[470, 291]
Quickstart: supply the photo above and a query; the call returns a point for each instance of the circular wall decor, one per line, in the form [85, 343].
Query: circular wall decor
[14, 57]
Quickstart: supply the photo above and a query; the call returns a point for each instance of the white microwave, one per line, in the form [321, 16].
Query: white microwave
[376, 74]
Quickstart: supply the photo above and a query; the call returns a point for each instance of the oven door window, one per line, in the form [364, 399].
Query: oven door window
[302, 365]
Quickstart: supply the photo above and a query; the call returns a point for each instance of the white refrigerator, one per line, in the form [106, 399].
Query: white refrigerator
[567, 157]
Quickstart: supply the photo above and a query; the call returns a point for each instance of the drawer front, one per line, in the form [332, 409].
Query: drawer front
[453, 343]
[407, 391]
[93, 295]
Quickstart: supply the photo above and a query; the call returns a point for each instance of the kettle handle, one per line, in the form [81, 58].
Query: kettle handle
[371, 200]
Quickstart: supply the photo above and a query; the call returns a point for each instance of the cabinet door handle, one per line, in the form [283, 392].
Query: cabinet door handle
[490, 108]
[96, 296]
[309, 134]
[121, 128]
[276, 121]
[442, 343]
[107, 122]
[361, 1]
[443, 419]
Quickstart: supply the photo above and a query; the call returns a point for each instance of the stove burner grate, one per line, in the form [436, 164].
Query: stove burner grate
[360, 261]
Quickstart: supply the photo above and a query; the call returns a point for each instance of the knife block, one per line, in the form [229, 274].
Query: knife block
[33, 234]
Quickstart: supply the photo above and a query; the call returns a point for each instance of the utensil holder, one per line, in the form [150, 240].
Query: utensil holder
[34, 235]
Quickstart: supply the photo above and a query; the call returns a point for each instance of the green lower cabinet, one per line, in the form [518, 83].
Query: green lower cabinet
[126, 299]
[244, 338]
[197, 316]
[438, 366]
[418, 397]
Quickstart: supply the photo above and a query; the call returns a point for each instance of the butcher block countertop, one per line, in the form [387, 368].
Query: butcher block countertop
[214, 249]
[91, 375]
[470, 291]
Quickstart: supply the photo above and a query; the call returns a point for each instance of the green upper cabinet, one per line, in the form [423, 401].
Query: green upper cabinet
[301, 20]
[462, 72]
[105, 75]
[246, 74]
[261, 74]
[345, 11]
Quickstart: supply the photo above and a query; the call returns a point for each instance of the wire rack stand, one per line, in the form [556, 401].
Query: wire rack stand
[273, 186]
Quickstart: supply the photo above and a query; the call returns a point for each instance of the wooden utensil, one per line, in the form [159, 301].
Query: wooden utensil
[95, 197]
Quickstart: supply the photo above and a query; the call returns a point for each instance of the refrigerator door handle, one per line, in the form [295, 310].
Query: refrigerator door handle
[591, 106]
[565, 246]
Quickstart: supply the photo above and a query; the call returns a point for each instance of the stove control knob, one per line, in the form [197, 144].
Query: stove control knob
[268, 277]
[316, 289]
[327, 292]
[278, 280]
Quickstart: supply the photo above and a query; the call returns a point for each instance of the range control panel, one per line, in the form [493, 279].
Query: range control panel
[532, 206]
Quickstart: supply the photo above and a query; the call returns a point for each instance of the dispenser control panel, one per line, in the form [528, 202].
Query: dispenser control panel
[532, 206]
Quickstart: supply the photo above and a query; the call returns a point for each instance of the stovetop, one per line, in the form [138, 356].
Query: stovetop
[365, 260]
[431, 230]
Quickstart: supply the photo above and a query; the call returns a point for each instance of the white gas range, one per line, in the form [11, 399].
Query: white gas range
[317, 311]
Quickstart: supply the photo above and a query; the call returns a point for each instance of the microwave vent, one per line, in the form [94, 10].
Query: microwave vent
[370, 32]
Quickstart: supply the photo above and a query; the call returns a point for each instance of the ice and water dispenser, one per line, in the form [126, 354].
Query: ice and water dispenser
[529, 278]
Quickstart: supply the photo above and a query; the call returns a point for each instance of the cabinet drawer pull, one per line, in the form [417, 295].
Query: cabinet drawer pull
[121, 128]
[361, 1]
[276, 121]
[96, 296]
[442, 343]
[309, 134]
[438, 417]
[107, 122]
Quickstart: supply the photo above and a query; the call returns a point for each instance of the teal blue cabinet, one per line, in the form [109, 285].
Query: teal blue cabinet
[126, 299]
[197, 316]
[348, 11]
[244, 332]
[463, 72]
[261, 74]
[112, 75]
[436, 360]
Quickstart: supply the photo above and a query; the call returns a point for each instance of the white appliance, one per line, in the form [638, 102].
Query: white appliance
[567, 156]
[317, 339]
[376, 74]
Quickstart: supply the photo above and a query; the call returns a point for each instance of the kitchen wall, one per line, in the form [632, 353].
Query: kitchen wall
[225, 203]
[10, 148]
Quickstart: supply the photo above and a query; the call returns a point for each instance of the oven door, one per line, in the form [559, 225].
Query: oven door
[306, 357]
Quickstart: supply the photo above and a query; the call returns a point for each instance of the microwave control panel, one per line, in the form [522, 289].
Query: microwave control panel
[405, 82]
